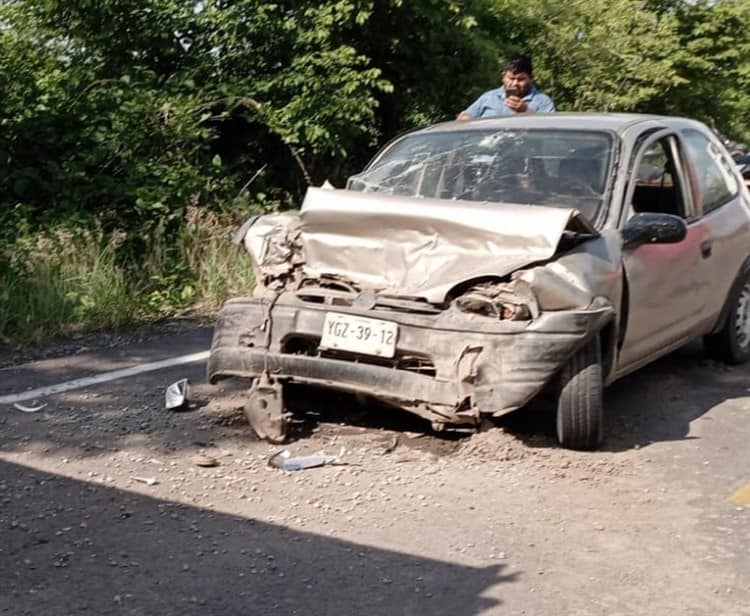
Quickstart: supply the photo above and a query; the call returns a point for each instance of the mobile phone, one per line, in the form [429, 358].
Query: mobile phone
[512, 92]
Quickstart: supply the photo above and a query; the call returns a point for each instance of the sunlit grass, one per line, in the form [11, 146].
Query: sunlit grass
[64, 281]
[221, 269]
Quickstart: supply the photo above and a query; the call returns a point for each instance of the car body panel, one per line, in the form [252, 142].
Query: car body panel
[666, 290]
[423, 248]
[729, 232]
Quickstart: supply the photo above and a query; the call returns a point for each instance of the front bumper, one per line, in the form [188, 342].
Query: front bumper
[477, 364]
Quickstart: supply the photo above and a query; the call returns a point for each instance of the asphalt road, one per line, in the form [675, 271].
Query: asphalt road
[106, 509]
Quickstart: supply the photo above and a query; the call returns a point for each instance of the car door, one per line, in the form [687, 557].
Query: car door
[666, 283]
[718, 194]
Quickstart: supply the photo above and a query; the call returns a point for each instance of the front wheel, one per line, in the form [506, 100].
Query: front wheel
[580, 402]
[731, 344]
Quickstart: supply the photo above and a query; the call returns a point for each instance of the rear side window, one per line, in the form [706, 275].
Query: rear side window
[711, 172]
[656, 188]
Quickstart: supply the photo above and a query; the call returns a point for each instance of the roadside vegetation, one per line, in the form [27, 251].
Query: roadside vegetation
[71, 278]
[135, 135]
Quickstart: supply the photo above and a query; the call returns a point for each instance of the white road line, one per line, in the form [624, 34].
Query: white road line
[104, 377]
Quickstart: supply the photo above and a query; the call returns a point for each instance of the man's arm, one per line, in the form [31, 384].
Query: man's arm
[474, 110]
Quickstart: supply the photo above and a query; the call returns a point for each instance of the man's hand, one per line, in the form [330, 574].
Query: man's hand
[464, 116]
[517, 104]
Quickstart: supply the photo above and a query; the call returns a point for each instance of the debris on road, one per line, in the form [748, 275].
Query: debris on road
[149, 481]
[282, 460]
[392, 444]
[205, 460]
[176, 396]
[29, 409]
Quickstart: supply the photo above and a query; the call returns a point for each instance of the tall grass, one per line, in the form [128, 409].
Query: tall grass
[64, 280]
[221, 269]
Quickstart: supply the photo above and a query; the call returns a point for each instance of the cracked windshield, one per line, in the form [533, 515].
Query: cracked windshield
[540, 167]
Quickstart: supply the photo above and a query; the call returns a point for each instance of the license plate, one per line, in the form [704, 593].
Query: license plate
[359, 335]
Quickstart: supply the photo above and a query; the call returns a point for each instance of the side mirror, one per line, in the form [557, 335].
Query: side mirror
[653, 228]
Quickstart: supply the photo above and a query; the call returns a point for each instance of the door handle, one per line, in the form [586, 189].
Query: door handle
[706, 247]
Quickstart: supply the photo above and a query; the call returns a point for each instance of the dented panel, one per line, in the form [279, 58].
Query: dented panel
[471, 364]
[402, 246]
[485, 313]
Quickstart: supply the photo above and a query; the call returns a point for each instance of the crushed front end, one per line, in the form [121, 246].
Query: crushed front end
[436, 326]
[447, 366]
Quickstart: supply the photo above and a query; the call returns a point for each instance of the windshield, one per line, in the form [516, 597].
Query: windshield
[560, 168]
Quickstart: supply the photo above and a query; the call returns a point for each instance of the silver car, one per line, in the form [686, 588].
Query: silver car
[472, 265]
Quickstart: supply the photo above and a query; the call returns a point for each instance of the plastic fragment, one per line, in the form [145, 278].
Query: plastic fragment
[282, 460]
[149, 481]
[176, 395]
[392, 444]
[28, 409]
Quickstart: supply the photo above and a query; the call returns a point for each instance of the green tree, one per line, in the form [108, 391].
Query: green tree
[133, 103]
[714, 64]
[604, 55]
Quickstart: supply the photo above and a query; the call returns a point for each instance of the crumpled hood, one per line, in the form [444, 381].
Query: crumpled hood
[423, 247]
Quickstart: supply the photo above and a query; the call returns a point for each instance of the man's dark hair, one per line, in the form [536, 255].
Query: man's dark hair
[519, 64]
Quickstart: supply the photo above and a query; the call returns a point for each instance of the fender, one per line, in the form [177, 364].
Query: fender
[742, 275]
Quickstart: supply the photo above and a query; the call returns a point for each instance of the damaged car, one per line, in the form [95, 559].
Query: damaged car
[473, 265]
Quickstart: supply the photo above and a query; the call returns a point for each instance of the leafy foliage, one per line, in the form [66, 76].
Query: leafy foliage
[130, 111]
[656, 56]
[714, 64]
[125, 115]
[606, 55]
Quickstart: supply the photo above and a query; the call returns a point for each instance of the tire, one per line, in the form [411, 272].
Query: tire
[580, 416]
[731, 344]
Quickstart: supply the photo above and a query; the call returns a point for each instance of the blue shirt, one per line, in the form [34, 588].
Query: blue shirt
[492, 103]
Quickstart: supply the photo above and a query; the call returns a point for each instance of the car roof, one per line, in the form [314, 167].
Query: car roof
[617, 122]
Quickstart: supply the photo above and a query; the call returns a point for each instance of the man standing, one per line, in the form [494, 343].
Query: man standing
[518, 94]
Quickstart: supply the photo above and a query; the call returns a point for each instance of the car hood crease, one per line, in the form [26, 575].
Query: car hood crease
[424, 247]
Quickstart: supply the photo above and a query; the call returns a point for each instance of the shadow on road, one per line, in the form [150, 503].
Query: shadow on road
[656, 403]
[660, 401]
[68, 546]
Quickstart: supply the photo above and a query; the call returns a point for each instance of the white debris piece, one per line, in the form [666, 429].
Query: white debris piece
[29, 409]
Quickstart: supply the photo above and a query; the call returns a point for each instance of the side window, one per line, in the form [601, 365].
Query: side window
[656, 187]
[713, 176]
